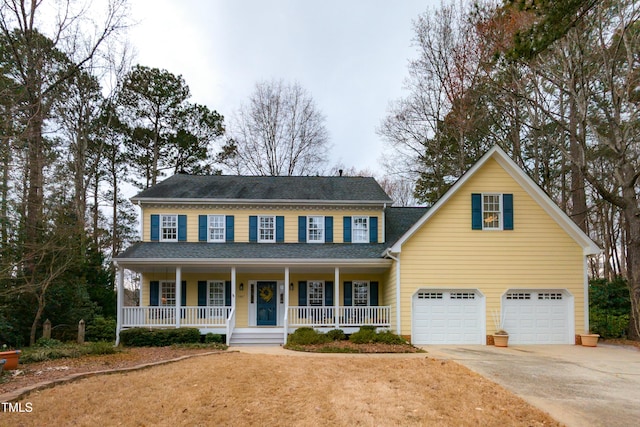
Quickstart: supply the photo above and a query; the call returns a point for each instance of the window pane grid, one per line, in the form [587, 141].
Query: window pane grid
[168, 294]
[491, 211]
[315, 290]
[169, 227]
[216, 228]
[316, 229]
[361, 293]
[216, 293]
[266, 229]
[360, 229]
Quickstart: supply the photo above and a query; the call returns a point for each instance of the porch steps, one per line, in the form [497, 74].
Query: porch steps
[257, 336]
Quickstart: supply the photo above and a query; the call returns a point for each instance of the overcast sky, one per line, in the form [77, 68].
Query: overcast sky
[351, 55]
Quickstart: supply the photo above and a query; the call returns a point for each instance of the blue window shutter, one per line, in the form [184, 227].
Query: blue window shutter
[302, 229]
[302, 294]
[202, 228]
[328, 229]
[347, 229]
[507, 202]
[348, 292]
[229, 228]
[476, 211]
[155, 228]
[154, 293]
[182, 228]
[328, 294]
[253, 228]
[183, 293]
[373, 229]
[227, 293]
[202, 293]
[373, 293]
[279, 229]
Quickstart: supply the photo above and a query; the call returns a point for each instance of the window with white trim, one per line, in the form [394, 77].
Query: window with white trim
[315, 229]
[215, 294]
[315, 293]
[360, 293]
[360, 229]
[216, 227]
[169, 228]
[168, 294]
[491, 211]
[266, 229]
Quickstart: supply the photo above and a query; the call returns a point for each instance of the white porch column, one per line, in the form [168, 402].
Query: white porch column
[178, 294]
[286, 303]
[233, 287]
[119, 300]
[336, 296]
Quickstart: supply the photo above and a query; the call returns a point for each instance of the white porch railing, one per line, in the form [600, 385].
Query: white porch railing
[166, 316]
[318, 317]
[231, 325]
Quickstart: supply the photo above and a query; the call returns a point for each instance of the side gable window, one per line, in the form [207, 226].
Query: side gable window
[492, 211]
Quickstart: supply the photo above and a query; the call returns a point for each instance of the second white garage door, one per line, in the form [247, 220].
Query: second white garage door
[448, 316]
[538, 316]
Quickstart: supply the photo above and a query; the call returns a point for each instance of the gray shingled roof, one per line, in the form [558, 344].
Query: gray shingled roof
[227, 187]
[398, 221]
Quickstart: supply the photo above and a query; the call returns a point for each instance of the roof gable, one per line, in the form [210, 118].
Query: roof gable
[227, 188]
[528, 185]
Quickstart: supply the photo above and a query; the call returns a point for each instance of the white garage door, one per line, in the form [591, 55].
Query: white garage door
[538, 317]
[446, 316]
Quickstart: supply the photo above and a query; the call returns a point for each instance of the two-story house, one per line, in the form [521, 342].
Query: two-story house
[254, 258]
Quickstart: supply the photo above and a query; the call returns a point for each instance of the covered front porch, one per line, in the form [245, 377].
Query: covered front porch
[247, 302]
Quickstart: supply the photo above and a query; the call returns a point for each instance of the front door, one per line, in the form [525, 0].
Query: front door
[267, 304]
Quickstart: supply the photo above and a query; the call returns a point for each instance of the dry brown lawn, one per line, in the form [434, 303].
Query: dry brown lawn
[237, 389]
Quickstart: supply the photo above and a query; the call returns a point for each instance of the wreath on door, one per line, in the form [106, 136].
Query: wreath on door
[266, 293]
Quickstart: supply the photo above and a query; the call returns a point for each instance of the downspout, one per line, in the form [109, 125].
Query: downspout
[384, 222]
[398, 317]
[586, 296]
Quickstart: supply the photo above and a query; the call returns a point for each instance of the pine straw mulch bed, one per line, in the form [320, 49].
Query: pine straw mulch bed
[345, 346]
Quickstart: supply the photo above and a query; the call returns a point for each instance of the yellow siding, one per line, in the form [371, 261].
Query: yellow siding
[446, 253]
[388, 293]
[241, 220]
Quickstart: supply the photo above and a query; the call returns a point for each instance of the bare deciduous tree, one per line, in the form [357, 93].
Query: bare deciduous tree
[280, 131]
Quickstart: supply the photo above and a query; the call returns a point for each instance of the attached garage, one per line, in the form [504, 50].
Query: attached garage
[448, 316]
[538, 316]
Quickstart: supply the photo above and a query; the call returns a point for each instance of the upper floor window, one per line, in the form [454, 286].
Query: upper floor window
[169, 228]
[360, 229]
[216, 227]
[266, 229]
[315, 229]
[491, 211]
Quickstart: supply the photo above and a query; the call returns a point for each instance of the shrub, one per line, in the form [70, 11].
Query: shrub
[101, 329]
[305, 336]
[609, 307]
[336, 335]
[142, 337]
[365, 335]
[388, 337]
[101, 347]
[47, 343]
[213, 338]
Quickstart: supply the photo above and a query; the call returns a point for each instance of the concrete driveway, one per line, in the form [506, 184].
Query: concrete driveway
[578, 386]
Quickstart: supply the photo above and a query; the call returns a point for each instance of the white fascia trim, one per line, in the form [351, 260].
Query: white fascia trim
[278, 202]
[588, 246]
[255, 262]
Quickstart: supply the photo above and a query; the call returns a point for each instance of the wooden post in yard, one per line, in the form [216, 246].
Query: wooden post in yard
[46, 329]
[81, 332]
